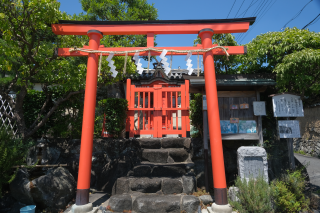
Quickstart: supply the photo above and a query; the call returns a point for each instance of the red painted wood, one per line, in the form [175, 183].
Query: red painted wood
[86, 146]
[76, 29]
[150, 39]
[216, 148]
[159, 116]
[232, 50]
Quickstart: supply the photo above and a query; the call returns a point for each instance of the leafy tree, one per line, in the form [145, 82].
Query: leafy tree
[27, 56]
[293, 55]
[120, 10]
[222, 65]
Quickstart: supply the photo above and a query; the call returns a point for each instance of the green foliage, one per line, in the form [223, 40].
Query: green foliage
[115, 110]
[12, 153]
[287, 193]
[292, 54]
[300, 152]
[27, 56]
[120, 10]
[254, 196]
[196, 112]
[222, 65]
[65, 122]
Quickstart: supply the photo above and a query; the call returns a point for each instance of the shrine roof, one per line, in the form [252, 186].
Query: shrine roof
[191, 21]
[236, 82]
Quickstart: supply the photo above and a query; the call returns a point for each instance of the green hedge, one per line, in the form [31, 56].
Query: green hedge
[196, 116]
[65, 122]
[115, 110]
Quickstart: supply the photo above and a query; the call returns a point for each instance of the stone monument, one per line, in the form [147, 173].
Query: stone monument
[252, 162]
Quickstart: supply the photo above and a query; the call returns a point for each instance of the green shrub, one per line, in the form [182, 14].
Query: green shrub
[287, 192]
[196, 116]
[254, 196]
[65, 122]
[12, 153]
[115, 110]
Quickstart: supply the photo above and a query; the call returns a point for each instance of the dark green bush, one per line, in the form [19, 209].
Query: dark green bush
[196, 116]
[254, 196]
[12, 153]
[115, 110]
[287, 193]
[65, 122]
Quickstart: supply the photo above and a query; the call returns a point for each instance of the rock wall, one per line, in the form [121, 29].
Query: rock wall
[309, 142]
[111, 158]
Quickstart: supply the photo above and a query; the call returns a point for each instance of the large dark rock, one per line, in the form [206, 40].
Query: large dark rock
[146, 185]
[7, 202]
[155, 155]
[190, 204]
[120, 203]
[172, 142]
[16, 207]
[157, 203]
[168, 171]
[20, 187]
[189, 184]
[121, 186]
[178, 155]
[54, 190]
[142, 170]
[150, 143]
[171, 186]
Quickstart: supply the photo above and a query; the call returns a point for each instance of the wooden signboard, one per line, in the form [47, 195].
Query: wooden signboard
[287, 105]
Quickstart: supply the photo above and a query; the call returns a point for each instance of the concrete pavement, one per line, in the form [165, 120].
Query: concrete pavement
[313, 168]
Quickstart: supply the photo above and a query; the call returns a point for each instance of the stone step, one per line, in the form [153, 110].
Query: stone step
[162, 169]
[167, 155]
[140, 203]
[158, 143]
[158, 185]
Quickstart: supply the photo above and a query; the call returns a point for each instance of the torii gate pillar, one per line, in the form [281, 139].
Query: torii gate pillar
[88, 120]
[219, 177]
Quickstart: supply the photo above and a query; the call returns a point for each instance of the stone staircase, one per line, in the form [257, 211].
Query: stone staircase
[162, 182]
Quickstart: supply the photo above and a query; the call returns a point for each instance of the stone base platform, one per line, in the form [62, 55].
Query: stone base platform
[147, 203]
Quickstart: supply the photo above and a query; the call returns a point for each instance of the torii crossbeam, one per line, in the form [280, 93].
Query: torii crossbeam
[204, 28]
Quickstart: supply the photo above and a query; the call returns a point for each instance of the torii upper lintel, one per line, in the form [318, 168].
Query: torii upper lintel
[239, 25]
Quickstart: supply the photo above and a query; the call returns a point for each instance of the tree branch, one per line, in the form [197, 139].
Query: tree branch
[46, 117]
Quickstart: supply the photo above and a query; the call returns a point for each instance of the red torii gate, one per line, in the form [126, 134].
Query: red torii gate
[204, 28]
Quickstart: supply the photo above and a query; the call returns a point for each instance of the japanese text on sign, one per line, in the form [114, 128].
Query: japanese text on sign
[287, 105]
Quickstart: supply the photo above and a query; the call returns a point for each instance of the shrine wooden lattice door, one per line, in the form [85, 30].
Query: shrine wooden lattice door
[158, 109]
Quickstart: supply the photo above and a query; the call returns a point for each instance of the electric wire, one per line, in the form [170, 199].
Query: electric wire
[240, 8]
[231, 8]
[310, 23]
[247, 9]
[263, 14]
[296, 15]
[255, 14]
[262, 9]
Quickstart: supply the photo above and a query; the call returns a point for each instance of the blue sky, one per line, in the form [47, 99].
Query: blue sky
[271, 15]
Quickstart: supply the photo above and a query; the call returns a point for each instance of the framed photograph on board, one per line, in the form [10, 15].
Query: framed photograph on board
[234, 120]
[247, 126]
[228, 128]
[244, 106]
[234, 106]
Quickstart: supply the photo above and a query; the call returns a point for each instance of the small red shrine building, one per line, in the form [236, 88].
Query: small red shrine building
[158, 106]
